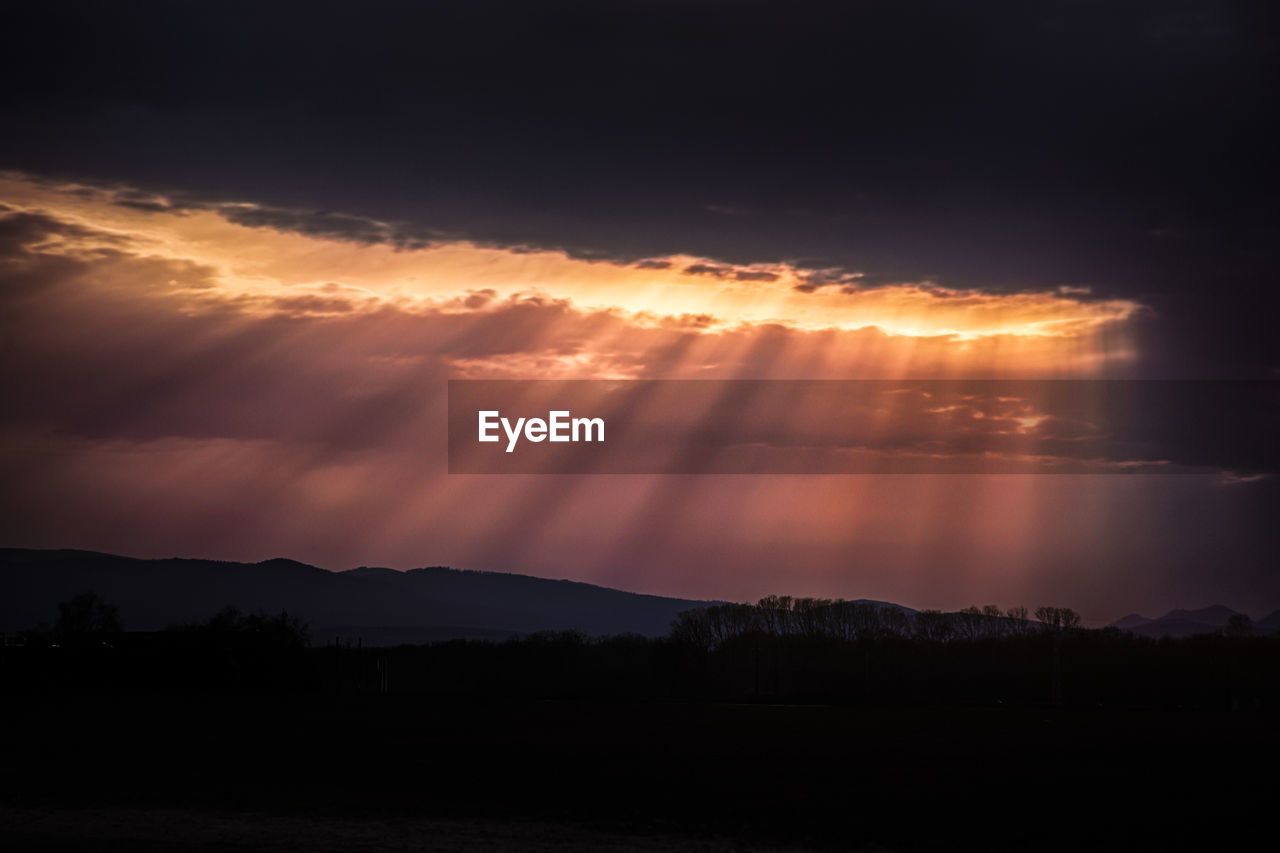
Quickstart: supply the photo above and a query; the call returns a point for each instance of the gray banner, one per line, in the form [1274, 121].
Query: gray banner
[863, 426]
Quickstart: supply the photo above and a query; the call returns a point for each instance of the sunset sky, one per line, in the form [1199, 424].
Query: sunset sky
[241, 255]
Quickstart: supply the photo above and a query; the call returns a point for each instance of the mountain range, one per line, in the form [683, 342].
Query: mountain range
[377, 605]
[1184, 623]
[380, 606]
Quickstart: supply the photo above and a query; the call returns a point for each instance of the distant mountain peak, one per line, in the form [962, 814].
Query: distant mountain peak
[285, 563]
[1216, 614]
[1133, 620]
[1178, 623]
[371, 572]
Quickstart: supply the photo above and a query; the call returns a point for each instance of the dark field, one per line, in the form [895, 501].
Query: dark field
[244, 770]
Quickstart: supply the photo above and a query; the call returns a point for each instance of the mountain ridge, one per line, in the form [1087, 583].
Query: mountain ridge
[436, 602]
[1180, 622]
[153, 594]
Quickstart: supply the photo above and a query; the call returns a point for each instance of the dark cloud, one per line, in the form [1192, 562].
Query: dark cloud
[144, 201]
[848, 282]
[313, 304]
[1124, 146]
[22, 229]
[728, 272]
[328, 225]
[712, 270]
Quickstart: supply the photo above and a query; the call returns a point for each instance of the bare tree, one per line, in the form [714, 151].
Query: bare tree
[769, 606]
[1238, 625]
[692, 628]
[1058, 618]
[812, 616]
[867, 621]
[85, 614]
[896, 622]
[993, 620]
[970, 623]
[1057, 621]
[1049, 617]
[934, 626]
[1016, 620]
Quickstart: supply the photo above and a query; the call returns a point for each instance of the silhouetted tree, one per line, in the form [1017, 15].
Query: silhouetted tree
[775, 614]
[971, 623]
[692, 628]
[86, 614]
[1058, 618]
[994, 621]
[894, 621]
[1057, 621]
[1017, 617]
[866, 621]
[813, 616]
[1238, 625]
[283, 631]
[934, 626]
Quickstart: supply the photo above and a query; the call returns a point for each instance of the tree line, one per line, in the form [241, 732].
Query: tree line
[780, 649]
[777, 616]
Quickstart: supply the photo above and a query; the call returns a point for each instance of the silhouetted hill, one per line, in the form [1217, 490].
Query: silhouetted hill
[1215, 615]
[382, 605]
[1185, 623]
[1132, 621]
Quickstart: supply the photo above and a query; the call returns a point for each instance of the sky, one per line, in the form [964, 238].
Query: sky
[243, 248]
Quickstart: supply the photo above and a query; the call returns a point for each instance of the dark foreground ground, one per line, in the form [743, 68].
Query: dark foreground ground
[245, 771]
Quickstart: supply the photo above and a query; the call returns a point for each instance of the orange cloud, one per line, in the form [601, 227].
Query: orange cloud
[615, 319]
